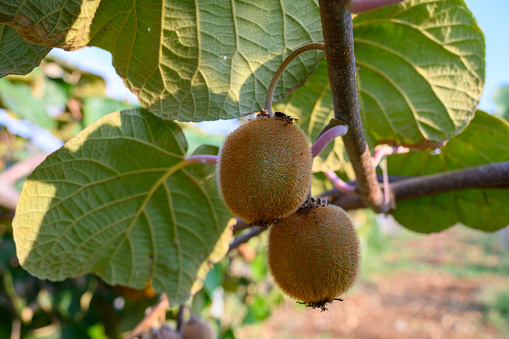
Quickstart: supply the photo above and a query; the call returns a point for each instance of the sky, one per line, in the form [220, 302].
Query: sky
[491, 15]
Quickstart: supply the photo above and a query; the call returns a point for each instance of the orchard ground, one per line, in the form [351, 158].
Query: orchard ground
[454, 284]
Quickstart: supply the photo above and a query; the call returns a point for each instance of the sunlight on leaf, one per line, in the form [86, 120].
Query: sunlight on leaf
[120, 200]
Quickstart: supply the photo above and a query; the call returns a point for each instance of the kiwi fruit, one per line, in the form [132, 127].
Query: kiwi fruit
[264, 169]
[166, 332]
[197, 328]
[313, 254]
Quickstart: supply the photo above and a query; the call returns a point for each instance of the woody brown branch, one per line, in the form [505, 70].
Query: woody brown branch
[339, 51]
[494, 176]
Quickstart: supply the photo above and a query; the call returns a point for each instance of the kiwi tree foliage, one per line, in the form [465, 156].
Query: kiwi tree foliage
[121, 199]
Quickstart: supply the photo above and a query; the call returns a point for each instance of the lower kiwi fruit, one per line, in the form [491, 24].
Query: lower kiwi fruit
[313, 254]
[197, 328]
[264, 169]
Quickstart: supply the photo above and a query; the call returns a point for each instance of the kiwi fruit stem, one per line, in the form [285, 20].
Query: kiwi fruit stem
[328, 136]
[280, 70]
[340, 184]
[384, 150]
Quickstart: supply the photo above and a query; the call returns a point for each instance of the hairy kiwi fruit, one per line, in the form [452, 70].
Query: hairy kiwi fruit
[197, 328]
[166, 332]
[264, 170]
[313, 254]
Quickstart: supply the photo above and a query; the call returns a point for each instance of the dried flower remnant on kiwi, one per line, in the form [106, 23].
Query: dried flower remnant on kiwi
[313, 254]
[264, 169]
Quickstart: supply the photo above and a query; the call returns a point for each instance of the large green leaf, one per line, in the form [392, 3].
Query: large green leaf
[484, 141]
[186, 60]
[501, 99]
[416, 86]
[56, 23]
[421, 71]
[18, 56]
[206, 60]
[120, 200]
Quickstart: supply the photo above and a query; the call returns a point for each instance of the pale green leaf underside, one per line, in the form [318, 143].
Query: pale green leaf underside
[484, 141]
[421, 71]
[207, 60]
[186, 60]
[120, 200]
[16, 55]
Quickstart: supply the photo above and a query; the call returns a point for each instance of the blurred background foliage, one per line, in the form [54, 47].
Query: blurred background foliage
[238, 297]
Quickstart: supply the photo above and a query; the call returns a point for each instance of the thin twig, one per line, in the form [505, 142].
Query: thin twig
[16, 329]
[340, 184]
[180, 318]
[253, 232]
[240, 225]
[384, 150]
[280, 70]
[339, 50]
[151, 318]
[202, 158]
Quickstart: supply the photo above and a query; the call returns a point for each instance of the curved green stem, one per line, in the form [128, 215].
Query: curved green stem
[280, 70]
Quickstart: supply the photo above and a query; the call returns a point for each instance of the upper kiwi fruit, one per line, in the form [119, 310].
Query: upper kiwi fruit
[313, 254]
[264, 169]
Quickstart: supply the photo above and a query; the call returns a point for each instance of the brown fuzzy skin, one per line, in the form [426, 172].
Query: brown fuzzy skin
[264, 170]
[314, 254]
[197, 328]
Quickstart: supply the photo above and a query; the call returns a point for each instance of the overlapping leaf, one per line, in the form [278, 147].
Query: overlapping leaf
[56, 23]
[421, 71]
[484, 141]
[120, 200]
[18, 56]
[186, 60]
